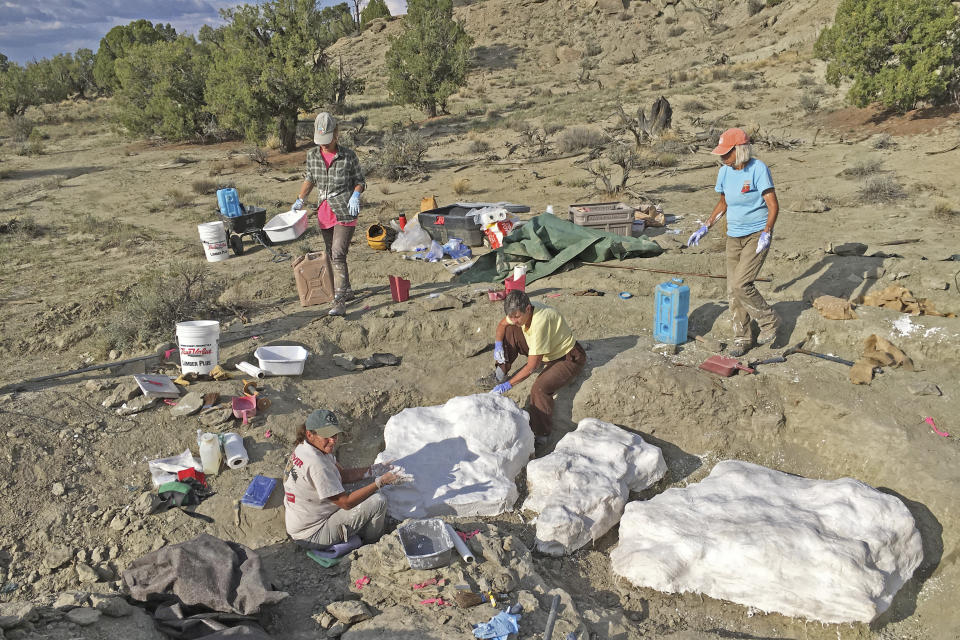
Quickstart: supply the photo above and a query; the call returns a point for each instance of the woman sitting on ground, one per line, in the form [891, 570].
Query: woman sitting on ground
[319, 512]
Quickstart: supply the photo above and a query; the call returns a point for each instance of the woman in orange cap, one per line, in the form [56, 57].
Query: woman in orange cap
[748, 199]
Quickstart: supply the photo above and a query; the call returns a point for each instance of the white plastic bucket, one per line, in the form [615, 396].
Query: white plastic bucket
[214, 238]
[199, 342]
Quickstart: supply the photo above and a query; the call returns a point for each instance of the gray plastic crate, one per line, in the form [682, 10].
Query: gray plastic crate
[615, 217]
[426, 543]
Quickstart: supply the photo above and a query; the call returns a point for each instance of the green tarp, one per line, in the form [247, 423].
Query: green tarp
[546, 243]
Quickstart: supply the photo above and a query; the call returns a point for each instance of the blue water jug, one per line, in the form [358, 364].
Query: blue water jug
[229, 202]
[672, 301]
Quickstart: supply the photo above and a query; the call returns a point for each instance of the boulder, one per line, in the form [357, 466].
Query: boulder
[835, 551]
[463, 455]
[580, 490]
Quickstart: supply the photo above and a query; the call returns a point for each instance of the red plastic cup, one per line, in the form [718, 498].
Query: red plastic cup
[399, 288]
[519, 284]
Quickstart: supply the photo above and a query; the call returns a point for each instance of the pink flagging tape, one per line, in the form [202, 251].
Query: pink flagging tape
[929, 421]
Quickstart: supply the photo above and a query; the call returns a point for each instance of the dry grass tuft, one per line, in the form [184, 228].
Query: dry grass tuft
[881, 189]
[461, 186]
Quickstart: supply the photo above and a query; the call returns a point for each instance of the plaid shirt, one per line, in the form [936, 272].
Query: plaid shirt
[336, 184]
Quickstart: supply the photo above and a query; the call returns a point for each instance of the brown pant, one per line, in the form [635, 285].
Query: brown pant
[555, 375]
[336, 241]
[743, 267]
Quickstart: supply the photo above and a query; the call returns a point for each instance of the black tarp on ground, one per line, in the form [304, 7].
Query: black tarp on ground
[546, 243]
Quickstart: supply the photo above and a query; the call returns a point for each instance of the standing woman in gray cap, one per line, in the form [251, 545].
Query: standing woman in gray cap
[319, 512]
[335, 172]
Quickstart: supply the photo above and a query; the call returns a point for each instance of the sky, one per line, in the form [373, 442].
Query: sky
[35, 29]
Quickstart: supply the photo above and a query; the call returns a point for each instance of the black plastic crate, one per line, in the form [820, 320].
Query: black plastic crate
[452, 221]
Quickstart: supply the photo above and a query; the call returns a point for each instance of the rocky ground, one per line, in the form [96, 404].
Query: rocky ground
[106, 224]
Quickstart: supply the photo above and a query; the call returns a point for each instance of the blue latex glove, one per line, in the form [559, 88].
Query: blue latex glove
[498, 355]
[354, 204]
[502, 388]
[296, 206]
[499, 626]
[763, 242]
[698, 235]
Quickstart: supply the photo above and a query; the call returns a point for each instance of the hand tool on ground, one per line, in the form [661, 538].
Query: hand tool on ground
[776, 359]
[722, 366]
[552, 618]
[798, 348]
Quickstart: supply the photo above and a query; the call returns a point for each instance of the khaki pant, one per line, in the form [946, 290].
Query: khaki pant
[336, 241]
[743, 267]
[556, 374]
[366, 519]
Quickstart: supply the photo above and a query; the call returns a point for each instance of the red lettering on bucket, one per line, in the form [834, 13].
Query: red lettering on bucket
[194, 351]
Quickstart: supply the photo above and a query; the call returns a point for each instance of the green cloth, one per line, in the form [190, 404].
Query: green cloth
[546, 243]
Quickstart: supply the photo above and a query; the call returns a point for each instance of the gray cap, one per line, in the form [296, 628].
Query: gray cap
[323, 128]
[324, 423]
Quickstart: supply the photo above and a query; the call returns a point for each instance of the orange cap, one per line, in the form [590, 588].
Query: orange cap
[729, 139]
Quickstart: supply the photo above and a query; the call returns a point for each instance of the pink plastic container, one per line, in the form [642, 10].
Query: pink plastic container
[244, 407]
[399, 288]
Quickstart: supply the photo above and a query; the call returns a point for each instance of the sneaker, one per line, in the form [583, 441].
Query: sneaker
[739, 349]
[339, 308]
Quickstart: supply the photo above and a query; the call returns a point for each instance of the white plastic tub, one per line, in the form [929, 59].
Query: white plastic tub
[282, 361]
[289, 225]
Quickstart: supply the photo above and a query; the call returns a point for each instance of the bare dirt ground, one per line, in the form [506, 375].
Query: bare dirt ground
[101, 217]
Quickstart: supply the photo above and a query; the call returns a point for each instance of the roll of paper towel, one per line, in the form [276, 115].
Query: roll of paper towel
[251, 370]
[234, 451]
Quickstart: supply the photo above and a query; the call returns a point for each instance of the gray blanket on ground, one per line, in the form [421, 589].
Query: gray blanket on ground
[221, 576]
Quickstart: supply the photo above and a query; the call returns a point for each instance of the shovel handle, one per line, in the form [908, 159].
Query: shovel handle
[826, 357]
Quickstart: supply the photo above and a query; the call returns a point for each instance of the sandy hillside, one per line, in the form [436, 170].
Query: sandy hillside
[106, 228]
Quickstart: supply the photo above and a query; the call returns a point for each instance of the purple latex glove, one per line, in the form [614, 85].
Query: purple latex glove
[697, 236]
[502, 388]
[498, 355]
[763, 242]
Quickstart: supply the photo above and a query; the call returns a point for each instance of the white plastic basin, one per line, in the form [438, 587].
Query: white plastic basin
[288, 225]
[282, 360]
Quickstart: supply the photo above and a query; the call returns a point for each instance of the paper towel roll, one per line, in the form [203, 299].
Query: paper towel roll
[251, 370]
[234, 451]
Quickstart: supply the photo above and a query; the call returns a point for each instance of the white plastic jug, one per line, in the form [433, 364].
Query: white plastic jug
[210, 453]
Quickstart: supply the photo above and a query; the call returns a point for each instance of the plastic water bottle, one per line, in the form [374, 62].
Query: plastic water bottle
[210, 453]
[672, 306]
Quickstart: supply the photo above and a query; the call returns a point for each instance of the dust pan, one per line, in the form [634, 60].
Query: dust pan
[722, 366]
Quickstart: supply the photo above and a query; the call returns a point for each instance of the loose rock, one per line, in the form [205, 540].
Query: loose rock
[188, 405]
[57, 556]
[924, 389]
[348, 612]
[86, 573]
[112, 606]
[83, 616]
[13, 614]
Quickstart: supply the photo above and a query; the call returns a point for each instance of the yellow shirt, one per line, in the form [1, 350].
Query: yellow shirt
[548, 335]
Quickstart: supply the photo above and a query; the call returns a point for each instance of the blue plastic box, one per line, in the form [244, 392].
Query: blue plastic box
[672, 302]
[229, 202]
[259, 491]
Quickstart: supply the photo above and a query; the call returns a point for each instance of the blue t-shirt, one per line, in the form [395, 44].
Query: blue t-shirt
[743, 190]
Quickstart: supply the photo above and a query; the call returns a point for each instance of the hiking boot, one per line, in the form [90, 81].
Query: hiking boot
[768, 335]
[339, 308]
[739, 349]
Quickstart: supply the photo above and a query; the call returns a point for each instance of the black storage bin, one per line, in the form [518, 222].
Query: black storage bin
[452, 221]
